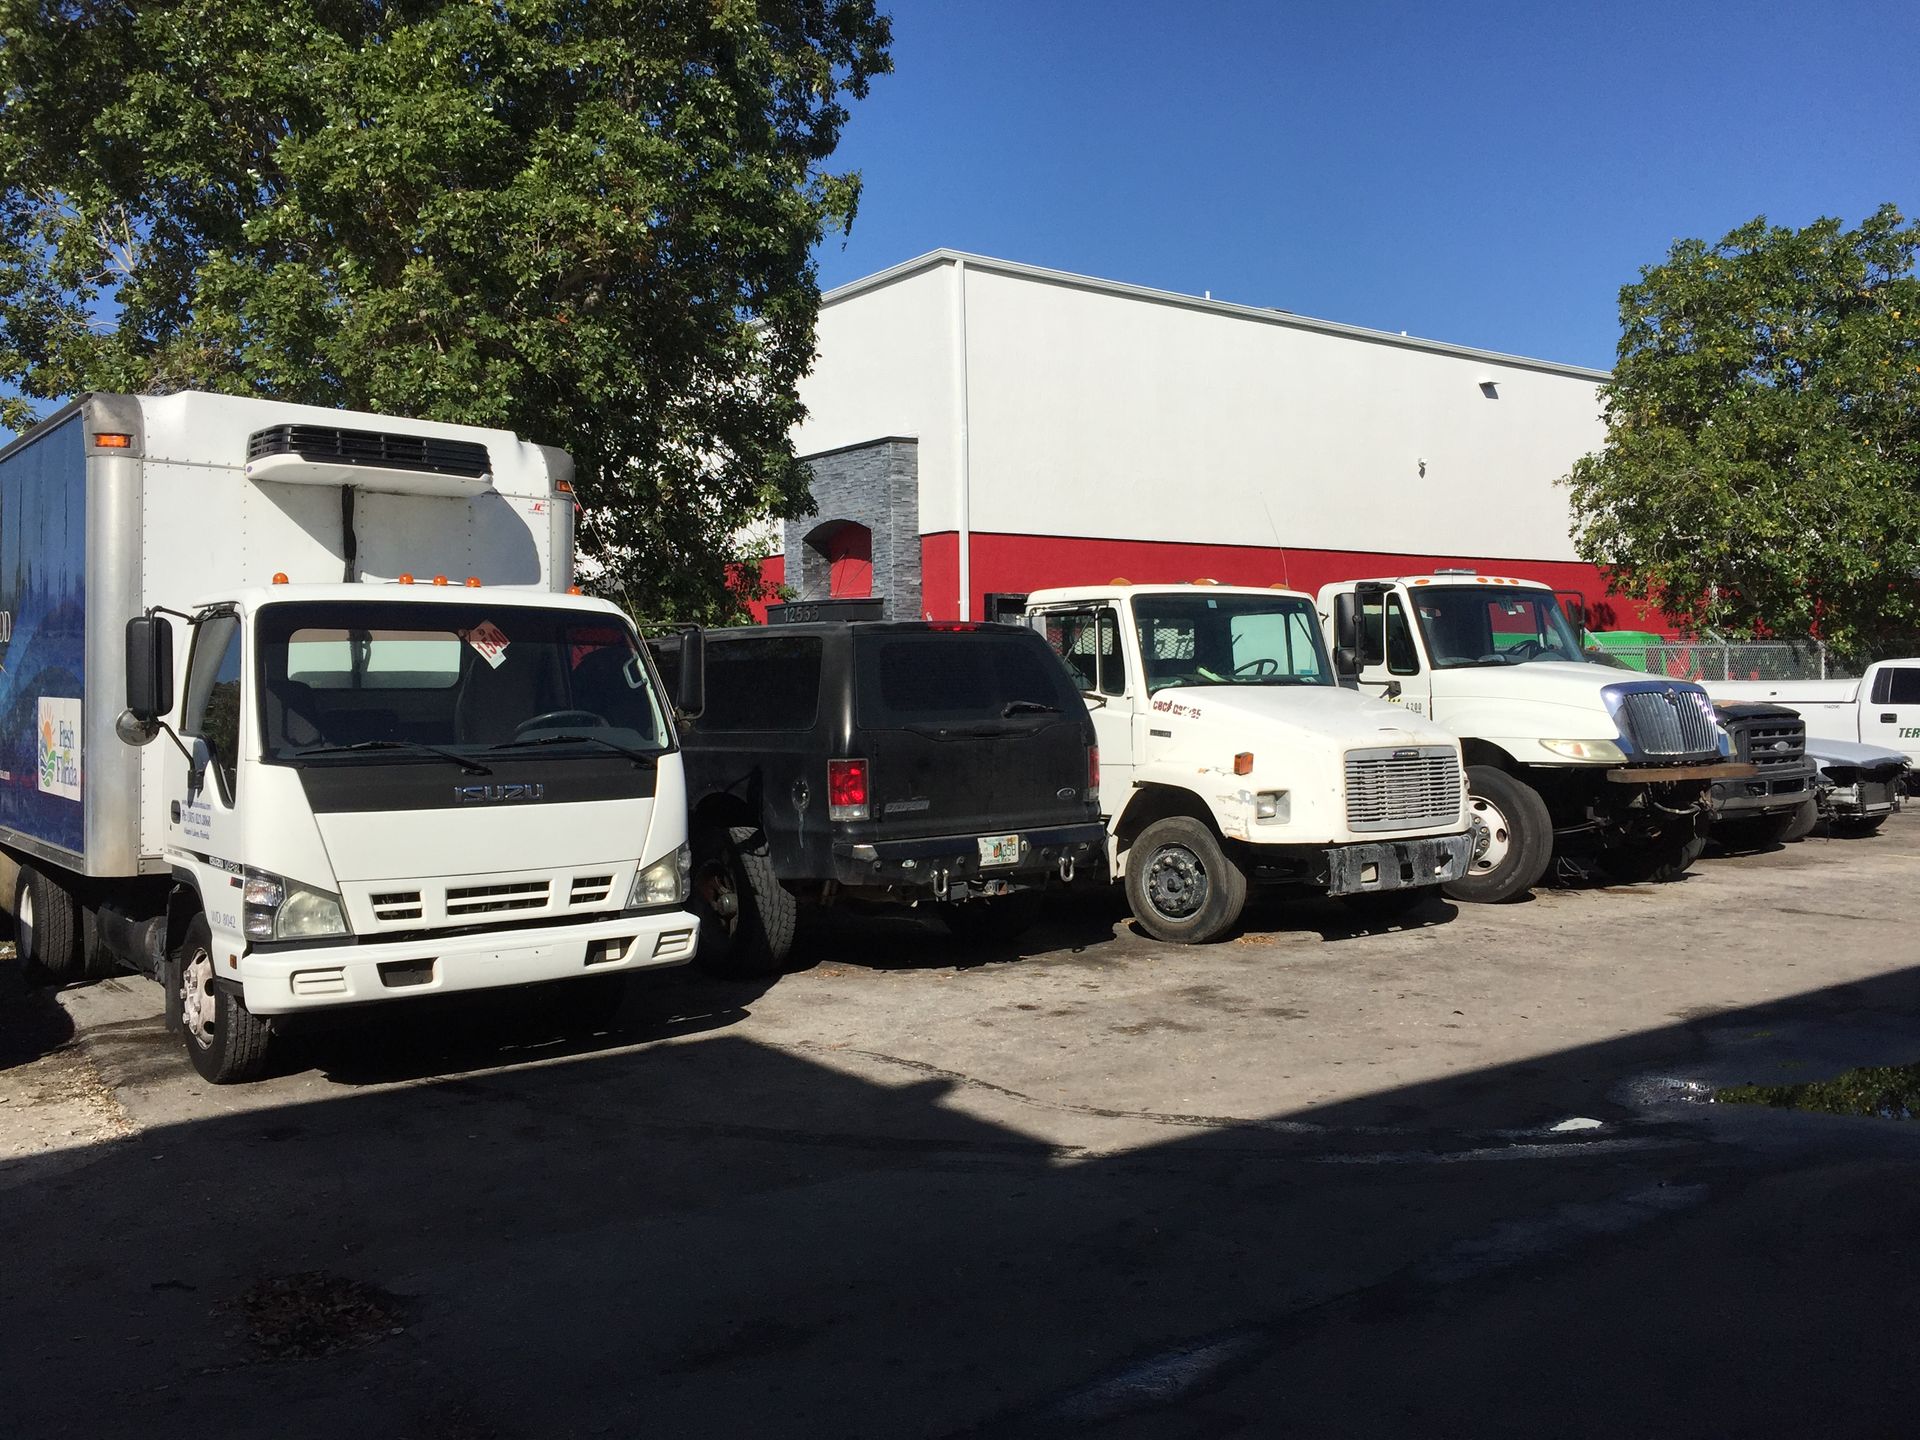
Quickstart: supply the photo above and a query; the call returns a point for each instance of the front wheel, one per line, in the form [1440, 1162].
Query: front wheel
[226, 1042]
[1659, 858]
[1181, 884]
[747, 917]
[1512, 838]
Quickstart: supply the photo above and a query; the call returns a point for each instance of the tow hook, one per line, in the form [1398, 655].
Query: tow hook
[1066, 869]
[940, 884]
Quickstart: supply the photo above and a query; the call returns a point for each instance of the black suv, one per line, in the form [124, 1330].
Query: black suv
[1776, 802]
[902, 762]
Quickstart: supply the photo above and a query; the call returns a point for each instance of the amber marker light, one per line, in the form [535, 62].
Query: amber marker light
[113, 442]
[406, 577]
[439, 579]
[1243, 763]
[279, 577]
[473, 582]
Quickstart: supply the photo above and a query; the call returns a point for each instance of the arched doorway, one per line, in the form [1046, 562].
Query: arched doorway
[844, 551]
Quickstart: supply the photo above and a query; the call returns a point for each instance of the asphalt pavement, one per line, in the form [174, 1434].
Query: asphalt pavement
[1456, 1177]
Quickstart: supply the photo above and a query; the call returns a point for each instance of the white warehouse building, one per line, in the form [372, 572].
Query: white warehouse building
[979, 429]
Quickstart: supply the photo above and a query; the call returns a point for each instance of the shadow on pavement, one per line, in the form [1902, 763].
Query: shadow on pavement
[714, 1236]
[32, 1024]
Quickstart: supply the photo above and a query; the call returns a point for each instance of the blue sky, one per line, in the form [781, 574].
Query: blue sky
[1483, 173]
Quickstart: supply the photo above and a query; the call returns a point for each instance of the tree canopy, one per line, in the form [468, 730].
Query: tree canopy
[1761, 473]
[590, 221]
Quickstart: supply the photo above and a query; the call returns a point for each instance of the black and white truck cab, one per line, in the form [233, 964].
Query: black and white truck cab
[401, 759]
[950, 764]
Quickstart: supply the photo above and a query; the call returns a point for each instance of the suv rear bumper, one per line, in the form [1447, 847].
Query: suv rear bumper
[930, 865]
[1397, 864]
[288, 981]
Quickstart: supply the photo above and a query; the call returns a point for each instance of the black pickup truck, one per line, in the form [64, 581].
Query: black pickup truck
[1776, 802]
[951, 763]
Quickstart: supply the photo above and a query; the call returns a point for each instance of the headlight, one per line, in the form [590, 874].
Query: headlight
[1597, 750]
[1274, 805]
[280, 909]
[665, 882]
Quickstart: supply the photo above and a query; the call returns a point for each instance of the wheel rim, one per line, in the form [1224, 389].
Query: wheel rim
[715, 887]
[1492, 836]
[23, 925]
[1177, 882]
[197, 1000]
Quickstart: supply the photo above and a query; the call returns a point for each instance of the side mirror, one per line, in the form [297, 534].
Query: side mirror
[149, 669]
[690, 685]
[1346, 634]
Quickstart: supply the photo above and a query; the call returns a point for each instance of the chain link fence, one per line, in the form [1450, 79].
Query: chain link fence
[1731, 660]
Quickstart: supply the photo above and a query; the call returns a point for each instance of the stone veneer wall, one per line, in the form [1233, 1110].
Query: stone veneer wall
[875, 484]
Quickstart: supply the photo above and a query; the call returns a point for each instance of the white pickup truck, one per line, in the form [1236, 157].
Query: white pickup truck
[1881, 708]
[1563, 755]
[1229, 756]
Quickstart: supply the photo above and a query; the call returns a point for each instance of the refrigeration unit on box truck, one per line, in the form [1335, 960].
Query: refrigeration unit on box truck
[401, 760]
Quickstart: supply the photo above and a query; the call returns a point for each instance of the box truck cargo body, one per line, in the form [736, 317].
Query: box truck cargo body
[400, 758]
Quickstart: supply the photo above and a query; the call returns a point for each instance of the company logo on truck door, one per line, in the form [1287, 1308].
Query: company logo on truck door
[493, 794]
[60, 747]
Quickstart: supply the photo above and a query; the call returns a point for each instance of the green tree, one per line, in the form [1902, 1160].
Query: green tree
[1761, 473]
[590, 221]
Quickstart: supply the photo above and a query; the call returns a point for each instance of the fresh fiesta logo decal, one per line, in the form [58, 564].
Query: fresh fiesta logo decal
[60, 747]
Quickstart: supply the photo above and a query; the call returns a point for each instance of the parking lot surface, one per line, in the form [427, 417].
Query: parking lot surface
[1456, 1177]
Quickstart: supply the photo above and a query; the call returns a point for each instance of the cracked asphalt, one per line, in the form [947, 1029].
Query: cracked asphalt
[1317, 1180]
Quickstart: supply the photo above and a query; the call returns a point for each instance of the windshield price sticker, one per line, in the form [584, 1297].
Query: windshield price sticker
[491, 641]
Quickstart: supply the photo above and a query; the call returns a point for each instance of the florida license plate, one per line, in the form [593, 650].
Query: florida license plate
[999, 849]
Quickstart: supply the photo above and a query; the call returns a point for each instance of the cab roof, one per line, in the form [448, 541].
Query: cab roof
[1115, 590]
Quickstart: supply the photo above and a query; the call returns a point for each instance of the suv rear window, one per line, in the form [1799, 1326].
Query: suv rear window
[770, 682]
[906, 677]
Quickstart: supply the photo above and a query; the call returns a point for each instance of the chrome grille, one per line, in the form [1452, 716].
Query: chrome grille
[486, 899]
[1669, 722]
[1402, 789]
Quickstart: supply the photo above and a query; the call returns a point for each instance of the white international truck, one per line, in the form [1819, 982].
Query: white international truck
[1880, 708]
[1563, 756]
[1229, 756]
[404, 759]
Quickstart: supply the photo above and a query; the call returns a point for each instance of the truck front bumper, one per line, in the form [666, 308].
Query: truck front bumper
[1397, 864]
[318, 977]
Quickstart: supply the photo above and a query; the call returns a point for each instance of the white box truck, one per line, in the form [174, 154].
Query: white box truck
[1880, 708]
[1228, 756]
[1564, 756]
[402, 760]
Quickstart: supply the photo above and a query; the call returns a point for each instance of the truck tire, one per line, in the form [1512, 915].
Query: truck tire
[1664, 857]
[227, 1043]
[994, 920]
[1512, 838]
[1182, 885]
[49, 938]
[747, 917]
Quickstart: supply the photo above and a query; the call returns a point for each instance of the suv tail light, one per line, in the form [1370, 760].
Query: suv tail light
[1093, 772]
[846, 789]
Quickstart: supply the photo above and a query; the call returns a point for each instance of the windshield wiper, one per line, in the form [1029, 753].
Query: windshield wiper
[1026, 707]
[639, 757]
[471, 766]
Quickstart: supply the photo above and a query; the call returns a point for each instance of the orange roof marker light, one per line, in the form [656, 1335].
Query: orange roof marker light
[473, 582]
[1206, 580]
[439, 579]
[113, 442]
[574, 590]
[1120, 580]
[563, 487]
[406, 577]
[279, 577]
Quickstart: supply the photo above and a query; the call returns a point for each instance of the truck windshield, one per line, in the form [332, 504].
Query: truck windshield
[1468, 625]
[1229, 640]
[386, 681]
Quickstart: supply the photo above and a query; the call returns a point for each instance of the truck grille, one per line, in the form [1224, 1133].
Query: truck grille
[1769, 744]
[1669, 723]
[489, 899]
[1402, 789]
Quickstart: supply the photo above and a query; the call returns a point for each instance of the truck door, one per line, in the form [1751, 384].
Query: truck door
[201, 797]
[1891, 714]
[1087, 640]
[1391, 665]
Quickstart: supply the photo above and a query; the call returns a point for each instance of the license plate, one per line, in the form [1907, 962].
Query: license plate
[999, 849]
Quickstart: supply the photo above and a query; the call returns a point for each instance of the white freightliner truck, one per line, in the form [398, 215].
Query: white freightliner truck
[1229, 756]
[1563, 755]
[404, 760]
